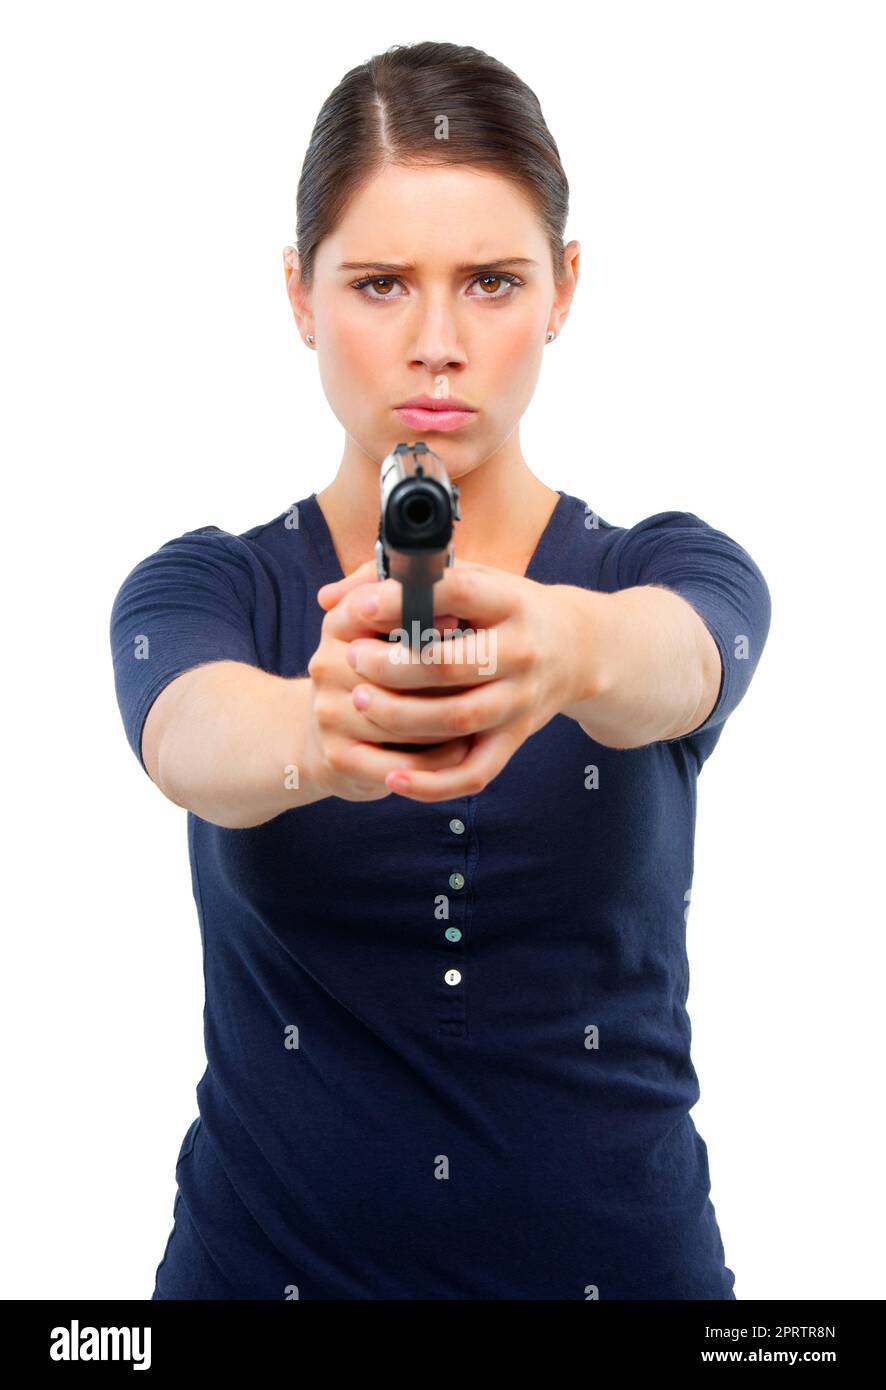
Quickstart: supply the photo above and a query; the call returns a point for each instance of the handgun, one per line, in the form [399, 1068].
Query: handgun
[419, 506]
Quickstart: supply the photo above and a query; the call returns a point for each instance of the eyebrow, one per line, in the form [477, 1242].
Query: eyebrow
[389, 268]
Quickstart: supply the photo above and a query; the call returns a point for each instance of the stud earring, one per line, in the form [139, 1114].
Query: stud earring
[310, 337]
[550, 335]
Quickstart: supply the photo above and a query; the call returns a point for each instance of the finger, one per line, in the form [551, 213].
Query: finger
[386, 616]
[346, 620]
[446, 664]
[328, 595]
[489, 754]
[441, 716]
[350, 722]
[481, 595]
[363, 762]
[478, 594]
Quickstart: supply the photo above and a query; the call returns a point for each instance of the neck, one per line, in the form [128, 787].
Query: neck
[503, 505]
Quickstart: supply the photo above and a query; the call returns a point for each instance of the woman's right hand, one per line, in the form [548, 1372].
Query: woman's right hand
[343, 752]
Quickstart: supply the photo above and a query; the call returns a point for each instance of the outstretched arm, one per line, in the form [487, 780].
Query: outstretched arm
[648, 665]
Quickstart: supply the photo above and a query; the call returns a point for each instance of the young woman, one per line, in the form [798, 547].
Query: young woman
[448, 1051]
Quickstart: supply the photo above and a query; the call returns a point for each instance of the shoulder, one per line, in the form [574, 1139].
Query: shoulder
[208, 556]
[676, 544]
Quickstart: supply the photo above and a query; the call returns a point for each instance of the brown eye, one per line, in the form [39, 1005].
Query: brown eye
[387, 283]
[497, 285]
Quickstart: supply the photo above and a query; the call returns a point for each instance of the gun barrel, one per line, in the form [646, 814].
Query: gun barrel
[419, 506]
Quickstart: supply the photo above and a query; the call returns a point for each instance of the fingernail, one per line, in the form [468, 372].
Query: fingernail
[398, 782]
[369, 605]
[361, 697]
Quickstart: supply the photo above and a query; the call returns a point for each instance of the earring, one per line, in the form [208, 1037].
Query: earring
[310, 337]
[551, 335]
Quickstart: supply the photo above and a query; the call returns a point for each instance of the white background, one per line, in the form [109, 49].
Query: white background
[724, 355]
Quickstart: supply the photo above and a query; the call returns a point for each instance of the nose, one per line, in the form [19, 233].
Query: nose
[437, 340]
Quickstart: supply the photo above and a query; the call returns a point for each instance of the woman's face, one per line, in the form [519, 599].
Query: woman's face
[438, 280]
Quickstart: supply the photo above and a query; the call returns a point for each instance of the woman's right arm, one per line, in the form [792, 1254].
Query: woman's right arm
[224, 740]
[238, 745]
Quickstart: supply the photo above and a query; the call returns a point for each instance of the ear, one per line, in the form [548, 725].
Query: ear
[564, 292]
[298, 296]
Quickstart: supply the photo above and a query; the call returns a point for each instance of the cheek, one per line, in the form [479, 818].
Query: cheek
[353, 345]
[351, 362]
[519, 343]
[514, 357]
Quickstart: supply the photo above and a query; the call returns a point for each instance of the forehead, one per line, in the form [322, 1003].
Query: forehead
[437, 212]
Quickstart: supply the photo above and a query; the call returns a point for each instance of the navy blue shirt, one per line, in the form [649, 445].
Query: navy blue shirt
[447, 1044]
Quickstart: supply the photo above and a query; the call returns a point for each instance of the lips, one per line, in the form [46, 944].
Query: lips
[428, 413]
[426, 421]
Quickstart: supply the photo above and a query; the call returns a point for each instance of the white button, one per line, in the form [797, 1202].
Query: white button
[452, 977]
[457, 827]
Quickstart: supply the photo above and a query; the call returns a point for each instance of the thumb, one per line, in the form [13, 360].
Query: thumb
[328, 595]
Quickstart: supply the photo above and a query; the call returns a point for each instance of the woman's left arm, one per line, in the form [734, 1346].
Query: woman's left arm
[661, 668]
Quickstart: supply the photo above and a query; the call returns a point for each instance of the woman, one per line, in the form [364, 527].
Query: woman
[446, 1036]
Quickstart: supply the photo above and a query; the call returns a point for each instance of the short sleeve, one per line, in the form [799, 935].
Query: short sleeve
[717, 576]
[189, 603]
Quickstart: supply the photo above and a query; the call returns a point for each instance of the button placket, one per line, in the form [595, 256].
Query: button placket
[451, 1019]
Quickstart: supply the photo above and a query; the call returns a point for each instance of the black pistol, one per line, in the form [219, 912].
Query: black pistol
[418, 508]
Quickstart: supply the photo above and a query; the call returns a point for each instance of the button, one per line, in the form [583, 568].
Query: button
[452, 977]
[453, 934]
[456, 880]
[457, 827]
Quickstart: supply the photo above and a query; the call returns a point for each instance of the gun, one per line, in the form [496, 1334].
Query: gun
[419, 505]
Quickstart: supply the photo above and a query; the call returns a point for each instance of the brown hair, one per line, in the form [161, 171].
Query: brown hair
[389, 111]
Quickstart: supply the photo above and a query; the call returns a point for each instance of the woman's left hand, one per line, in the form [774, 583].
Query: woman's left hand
[522, 660]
